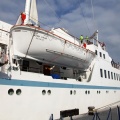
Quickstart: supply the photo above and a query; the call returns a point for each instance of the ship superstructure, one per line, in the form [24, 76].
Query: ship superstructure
[52, 72]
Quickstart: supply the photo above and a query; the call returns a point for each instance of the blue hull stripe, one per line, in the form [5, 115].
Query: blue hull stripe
[14, 82]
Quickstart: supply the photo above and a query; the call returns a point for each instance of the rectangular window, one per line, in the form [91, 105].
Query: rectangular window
[104, 56]
[101, 73]
[25, 65]
[105, 73]
[112, 75]
[100, 54]
[96, 52]
[109, 74]
[117, 76]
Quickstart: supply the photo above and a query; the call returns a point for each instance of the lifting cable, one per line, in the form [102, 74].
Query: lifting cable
[53, 11]
[30, 42]
[84, 19]
[63, 22]
[94, 23]
[56, 29]
[60, 20]
[56, 16]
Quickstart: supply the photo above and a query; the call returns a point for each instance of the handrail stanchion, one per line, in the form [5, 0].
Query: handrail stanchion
[51, 117]
[109, 114]
[118, 112]
[61, 118]
[71, 118]
[96, 116]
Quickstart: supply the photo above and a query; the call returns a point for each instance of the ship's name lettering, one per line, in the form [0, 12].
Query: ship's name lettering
[40, 37]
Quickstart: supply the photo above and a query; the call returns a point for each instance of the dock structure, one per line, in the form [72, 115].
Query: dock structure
[106, 113]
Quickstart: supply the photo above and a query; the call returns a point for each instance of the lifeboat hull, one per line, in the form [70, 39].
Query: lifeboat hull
[36, 43]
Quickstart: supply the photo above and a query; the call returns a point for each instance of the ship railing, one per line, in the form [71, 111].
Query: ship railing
[30, 69]
[40, 70]
[102, 44]
[115, 65]
[105, 114]
[55, 74]
[81, 46]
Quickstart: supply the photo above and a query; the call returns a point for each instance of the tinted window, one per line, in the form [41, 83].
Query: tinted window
[112, 75]
[100, 54]
[104, 56]
[109, 74]
[105, 73]
[117, 76]
[96, 52]
[101, 73]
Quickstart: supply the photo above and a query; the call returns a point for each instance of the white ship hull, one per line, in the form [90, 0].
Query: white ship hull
[46, 73]
[59, 94]
[44, 46]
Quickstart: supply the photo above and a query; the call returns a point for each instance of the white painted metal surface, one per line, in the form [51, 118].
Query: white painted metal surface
[42, 95]
[27, 92]
[4, 32]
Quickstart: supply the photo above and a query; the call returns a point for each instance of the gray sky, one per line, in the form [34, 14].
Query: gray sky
[76, 16]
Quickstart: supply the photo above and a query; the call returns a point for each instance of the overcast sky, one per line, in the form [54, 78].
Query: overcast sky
[76, 16]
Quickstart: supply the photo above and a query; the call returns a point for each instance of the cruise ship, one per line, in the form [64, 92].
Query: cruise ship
[50, 73]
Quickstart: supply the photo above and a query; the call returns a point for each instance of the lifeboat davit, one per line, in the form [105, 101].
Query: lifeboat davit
[56, 46]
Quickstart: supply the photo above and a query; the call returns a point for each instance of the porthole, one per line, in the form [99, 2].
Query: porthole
[43, 92]
[98, 92]
[18, 91]
[10, 91]
[107, 91]
[74, 92]
[86, 92]
[49, 92]
[71, 92]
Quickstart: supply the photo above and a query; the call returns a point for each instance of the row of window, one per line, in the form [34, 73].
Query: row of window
[101, 55]
[44, 92]
[11, 91]
[109, 75]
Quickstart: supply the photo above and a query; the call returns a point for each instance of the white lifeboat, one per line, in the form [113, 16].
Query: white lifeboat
[63, 49]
